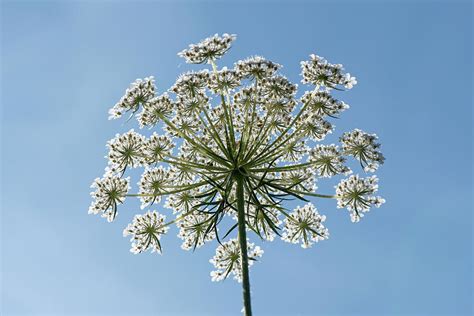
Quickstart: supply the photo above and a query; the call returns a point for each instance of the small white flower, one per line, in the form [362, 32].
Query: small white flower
[146, 231]
[188, 125]
[109, 191]
[256, 67]
[191, 84]
[223, 81]
[196, 229]
[126, 150]
[192, 105]
[322, 103]
[208, 50]
[140, 92]
[278, 87]
[328, 161]
[320, 72]
[182, 202]
[227, 259]
[157, 147]
[363, 147]
[294, 151]
[349, 82]
[300, 179]
[155, 109]
[305, 225]
[356, 194]
[312, 126]
[153, 183]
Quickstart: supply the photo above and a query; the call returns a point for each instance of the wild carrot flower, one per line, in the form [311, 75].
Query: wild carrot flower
[228, 148]
[305, 225]
[109, 192]
[146, 231]
[228, 259]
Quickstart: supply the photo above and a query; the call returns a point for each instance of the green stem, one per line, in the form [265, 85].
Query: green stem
[326, 196]
[285, 168]
[243, 244]
[177, 189]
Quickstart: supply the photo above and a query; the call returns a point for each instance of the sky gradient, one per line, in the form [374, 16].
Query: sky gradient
[64, 64]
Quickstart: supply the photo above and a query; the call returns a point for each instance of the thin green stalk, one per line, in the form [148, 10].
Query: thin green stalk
[326, 196]
[267, 150]
[216, 137]
[243, 244]
[207, 150]
[193, 165]
[285, 168]
[177, 189]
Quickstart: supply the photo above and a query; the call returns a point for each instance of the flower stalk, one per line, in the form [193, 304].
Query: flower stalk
[243, 243]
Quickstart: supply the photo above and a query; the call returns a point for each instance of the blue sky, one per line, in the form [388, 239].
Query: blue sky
[63, 66]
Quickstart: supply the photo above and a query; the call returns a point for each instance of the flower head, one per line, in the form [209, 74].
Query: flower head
[278, 87]
[146, 231]
[191, 84]
[256, 67]
[157, 147]
[299, 179]
[153, 183]
[208, 50]
[323, 104]
[318, 71]
[305, 224]
[356, 194]
[247, 141]
[126, 150]
[109, 191]
[155, 109]
[224, 80]
[140, 92]
[227, 260]
[363, 147]
[183, 201]
[311, 125]
[328, 161]
[195, 229]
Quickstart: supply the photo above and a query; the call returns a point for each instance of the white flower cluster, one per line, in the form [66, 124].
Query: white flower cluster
[356, 194]
[242, 129]
[301, 179]
[305, 224]
[146, 231]
[320, 72]
[191, 84]
[313, 126]
[109, 191]
[209, 49]
[256, 67]
[323, 104]
[227, 259]
[328, 161]
[195, 230]
[155, 109]
[154, 181]
[224, 80]
[126, 150]
[158, 147]
[183, 201]
[363, 147]
[140, 92]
